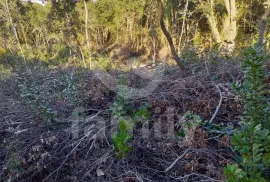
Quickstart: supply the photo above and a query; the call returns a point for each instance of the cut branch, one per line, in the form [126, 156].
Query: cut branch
[176, 160]
[218, 107]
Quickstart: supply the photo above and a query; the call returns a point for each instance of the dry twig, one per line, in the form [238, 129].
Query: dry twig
[218, 107]
[176, 160]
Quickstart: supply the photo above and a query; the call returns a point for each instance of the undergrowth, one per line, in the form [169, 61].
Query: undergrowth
[252, 140]
[121, 108]
[49, 98]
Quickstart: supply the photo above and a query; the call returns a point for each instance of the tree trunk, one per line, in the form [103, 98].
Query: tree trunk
[211, 20]
[13, 28]
[229, 31]
[214, 29]
[233, 20]
[213, 23]
[87, 34]
[229, 27]
[183, 25]
[168, 36]
[263, 24]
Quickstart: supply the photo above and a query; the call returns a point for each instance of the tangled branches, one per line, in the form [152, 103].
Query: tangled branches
[36, 150]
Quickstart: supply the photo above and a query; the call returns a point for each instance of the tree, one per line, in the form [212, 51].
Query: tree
[87, 34]
[263, 24]
[168, 36]
[228, 32]
[9, 9]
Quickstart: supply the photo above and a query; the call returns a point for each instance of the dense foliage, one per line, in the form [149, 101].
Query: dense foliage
[74, 31]
[252, 141]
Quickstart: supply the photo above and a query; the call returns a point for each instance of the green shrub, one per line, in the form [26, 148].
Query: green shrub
[121, 138]
[46, 97]
[142, 113]
[234, 173]
[190, 121]
[120, 108]
[252, 141]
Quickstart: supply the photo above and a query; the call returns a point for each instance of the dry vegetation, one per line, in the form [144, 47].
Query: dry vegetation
[35, 149]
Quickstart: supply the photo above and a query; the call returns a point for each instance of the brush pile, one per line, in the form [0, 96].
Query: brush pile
[38, 109]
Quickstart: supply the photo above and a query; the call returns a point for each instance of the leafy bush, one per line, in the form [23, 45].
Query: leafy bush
[234, 173]
[120, 108]
[120, 105]
[190, 121]
[142, 113]
[252, 141]
[121, 138]
[48, 97]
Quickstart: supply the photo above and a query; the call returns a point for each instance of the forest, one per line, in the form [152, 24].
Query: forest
[134, 91]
